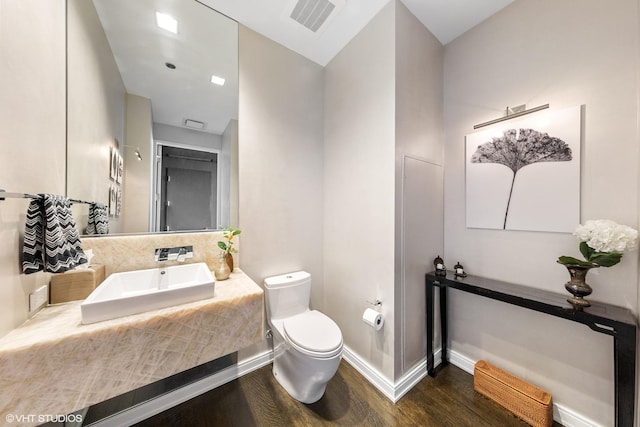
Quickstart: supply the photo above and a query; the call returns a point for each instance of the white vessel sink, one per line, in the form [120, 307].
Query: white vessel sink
[122, 294]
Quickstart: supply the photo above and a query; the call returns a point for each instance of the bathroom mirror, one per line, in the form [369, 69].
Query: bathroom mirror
[138, 88]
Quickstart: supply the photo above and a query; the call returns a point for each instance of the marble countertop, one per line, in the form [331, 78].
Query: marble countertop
[53, 364]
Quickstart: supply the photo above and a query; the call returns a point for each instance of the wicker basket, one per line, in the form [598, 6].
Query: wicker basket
[524, 400]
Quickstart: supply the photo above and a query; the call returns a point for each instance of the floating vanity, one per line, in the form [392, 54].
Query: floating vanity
[53, 364]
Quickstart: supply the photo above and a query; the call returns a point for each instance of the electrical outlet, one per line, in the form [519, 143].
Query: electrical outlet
[38, 298]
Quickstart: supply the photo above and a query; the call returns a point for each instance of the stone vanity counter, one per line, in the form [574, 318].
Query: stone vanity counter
[55, 365]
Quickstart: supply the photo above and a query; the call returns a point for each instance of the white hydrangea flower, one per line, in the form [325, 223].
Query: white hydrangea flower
[604, 235]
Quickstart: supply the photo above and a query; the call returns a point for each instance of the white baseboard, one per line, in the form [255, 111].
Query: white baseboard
[392, 391]
[370, 373]
[462, 361]
[161, 403]
[570, 418]
[561, 414]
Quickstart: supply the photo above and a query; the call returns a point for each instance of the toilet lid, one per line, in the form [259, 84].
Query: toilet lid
[313, 331]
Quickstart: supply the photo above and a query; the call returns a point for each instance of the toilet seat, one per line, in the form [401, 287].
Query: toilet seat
[314, 334]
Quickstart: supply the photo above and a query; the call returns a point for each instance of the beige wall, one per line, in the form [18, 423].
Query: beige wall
[96, 103]
[572, 52]
[279, 164]
[418, 179]
[32, 133]
[419, 89]
[280, 161]
[383, 116]
[383, 178]
[359, 140]
[136, 183]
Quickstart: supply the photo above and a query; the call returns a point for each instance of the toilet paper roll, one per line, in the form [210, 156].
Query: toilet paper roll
[373, 319]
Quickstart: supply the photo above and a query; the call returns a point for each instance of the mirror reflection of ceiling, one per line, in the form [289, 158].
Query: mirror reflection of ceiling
[198, 51]
[446, 19]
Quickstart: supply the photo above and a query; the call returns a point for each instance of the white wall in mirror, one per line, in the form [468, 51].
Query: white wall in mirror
[96, 110]
[138, 193]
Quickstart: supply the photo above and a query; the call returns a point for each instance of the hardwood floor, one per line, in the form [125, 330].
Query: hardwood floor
[257, 399]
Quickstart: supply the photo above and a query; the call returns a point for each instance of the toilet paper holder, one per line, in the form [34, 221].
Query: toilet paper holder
[375, 303]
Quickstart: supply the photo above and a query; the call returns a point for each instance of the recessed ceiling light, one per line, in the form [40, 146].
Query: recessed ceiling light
[167, 22]
[217, 80]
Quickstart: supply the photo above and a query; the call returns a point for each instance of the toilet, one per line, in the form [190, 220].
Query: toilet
[307, 345]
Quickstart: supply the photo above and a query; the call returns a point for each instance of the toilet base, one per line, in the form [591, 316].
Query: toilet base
[305, 395]
[303, 377]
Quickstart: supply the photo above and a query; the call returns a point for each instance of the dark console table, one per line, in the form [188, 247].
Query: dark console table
[607, 319]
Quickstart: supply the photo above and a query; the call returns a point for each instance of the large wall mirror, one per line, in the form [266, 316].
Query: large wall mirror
[152, 106]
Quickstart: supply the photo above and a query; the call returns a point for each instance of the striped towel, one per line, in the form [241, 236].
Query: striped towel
[98, 221]
[51, 240]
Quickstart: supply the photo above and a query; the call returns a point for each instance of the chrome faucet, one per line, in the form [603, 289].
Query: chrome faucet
[182, 254]
[162, 254]
[178, 253]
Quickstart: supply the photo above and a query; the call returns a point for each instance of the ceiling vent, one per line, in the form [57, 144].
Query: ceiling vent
[194, 124]
[312, 14]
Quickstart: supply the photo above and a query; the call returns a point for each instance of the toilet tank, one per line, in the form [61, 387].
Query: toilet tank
[287, 294]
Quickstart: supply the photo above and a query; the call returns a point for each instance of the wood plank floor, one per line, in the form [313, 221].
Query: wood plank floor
[257, 399]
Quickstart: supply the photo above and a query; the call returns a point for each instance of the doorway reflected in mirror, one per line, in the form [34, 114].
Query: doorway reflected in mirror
[188, 196]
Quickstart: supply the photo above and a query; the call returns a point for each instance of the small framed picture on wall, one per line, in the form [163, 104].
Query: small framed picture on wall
[112, 200]
[113, 163]
[118, 202]
[120, 171]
